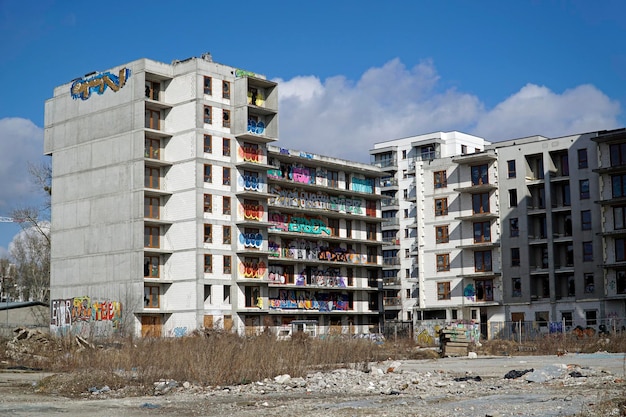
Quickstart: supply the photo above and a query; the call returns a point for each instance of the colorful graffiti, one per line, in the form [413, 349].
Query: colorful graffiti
[309, 300]
[363, 185]
[98, 84]
[257, 128]
[252, 269]
[294, 198]
[244, 73]
[303, 249]
[251, 211]
[469, 292]
[251, 240]
[84, 316]
[298, 224]
[250, 154]
[250, 183]
[179, 331]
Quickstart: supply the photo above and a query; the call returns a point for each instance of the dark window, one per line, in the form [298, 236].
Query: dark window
[443, 290]
[225, 89]
[582, 158]
[514, 224]
[208, 264]
[482, 232]
[618, 185]
[564, 165]
[208, 173]
[512, 198]
[587, 251]
[440, 179]
[482, 261]
[441, 206]
[621, 282]
[619, 217]
[618, 154]
[208, 144]
[585, 220]
[443, 262]
[226, 147]
[589, 284]
[225, 118]
[480, 174]
[620, 249]
[517, 287]
[511, 166]
[584, 189]
[480, 203]
[515, 261]
[208, 119]
[208, 203]
[207, 86]
[591, 317]
[484, 289]
[441, 234]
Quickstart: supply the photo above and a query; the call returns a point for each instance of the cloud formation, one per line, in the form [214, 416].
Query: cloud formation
[21, 143]
[343, 118]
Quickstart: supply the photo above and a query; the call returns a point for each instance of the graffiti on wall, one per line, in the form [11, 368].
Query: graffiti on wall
[251, 240]
[244, 73]
[469, 292]
[250, 182]
[304, 199]
[309, 300]
[257, 128]
[299, 224]
[98, 84]
[252, 269]
[303, 249]
[84, 316]
[363, 185]
[251, 211]
[250, 154]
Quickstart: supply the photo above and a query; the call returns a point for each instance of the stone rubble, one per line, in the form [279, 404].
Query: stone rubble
[389, 379]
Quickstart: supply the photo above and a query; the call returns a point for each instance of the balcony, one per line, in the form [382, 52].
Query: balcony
[391, 261]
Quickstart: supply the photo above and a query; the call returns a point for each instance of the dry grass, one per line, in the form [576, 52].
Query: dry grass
[208, 359]
[222, 359]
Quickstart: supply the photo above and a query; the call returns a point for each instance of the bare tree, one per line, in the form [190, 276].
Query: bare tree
[30, 251]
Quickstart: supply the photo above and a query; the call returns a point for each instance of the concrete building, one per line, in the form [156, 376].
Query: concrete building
[522, 236]
[170, 213]
[406, 210]
[550, 242]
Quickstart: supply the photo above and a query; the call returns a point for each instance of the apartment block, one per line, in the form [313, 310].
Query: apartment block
[172, 211]
[408, 214]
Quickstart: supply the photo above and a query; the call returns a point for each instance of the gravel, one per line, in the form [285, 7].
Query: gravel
[541, 386]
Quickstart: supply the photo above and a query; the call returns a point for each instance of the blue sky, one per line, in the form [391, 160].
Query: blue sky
[351, 73]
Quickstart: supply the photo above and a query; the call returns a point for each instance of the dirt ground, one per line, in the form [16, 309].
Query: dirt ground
[492, 396]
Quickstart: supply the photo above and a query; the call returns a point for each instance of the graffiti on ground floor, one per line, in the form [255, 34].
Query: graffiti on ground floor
[85, 316]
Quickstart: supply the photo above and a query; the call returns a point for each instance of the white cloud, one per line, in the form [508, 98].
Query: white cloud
[536, 110]
[21, 142]
[342, 118]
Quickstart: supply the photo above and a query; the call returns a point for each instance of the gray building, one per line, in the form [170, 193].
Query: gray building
[171, 212]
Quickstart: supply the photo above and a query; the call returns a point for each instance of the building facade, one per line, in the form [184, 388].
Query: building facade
[407, 208]
[171, 212]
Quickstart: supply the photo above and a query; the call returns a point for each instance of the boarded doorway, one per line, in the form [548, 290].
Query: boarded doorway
[151, 326]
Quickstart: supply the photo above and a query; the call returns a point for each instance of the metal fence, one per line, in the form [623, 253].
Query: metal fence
[522, 331]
